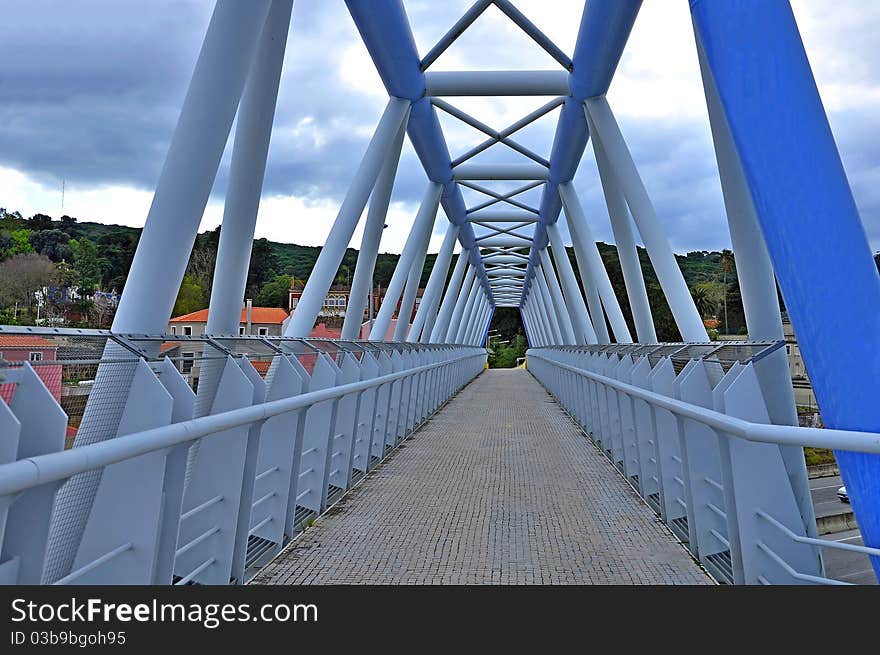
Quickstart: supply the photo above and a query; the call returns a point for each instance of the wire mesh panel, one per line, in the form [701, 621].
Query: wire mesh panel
[66, 361]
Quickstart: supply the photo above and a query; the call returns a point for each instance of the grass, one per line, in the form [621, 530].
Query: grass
[816, 456]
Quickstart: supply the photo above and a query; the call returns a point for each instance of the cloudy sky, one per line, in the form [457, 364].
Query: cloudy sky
[90, 91]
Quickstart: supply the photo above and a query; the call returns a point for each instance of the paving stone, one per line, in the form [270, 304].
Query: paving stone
[499, 487]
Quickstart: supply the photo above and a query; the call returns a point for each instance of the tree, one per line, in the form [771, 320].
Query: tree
[21, 244]
[506, 354]
[263, 260]
[39, 222]
[117, 248]
[727, 264]
[274, 293]
[190, 297]
[11, 220]
[703, 301]
[52, 243]
[88, 265]
[23, 275]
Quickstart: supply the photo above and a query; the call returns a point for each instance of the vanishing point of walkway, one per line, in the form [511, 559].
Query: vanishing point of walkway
[499, 487]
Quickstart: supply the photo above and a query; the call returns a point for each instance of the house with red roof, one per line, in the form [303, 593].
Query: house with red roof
[39, 352]
[256, 321]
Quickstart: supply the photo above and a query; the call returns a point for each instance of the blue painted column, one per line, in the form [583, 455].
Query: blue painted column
[808, 217]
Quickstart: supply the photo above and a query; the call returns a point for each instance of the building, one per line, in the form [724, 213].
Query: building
[41, 353]
[338, 299]
[254, 321]
[803, 388]
[800, 381]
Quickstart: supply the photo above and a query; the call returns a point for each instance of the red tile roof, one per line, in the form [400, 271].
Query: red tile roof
[321, 331]
[261, 366]
[24, 341]
[258, 315]
[168, 345]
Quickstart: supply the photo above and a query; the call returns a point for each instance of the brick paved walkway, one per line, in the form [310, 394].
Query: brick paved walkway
[498, 488]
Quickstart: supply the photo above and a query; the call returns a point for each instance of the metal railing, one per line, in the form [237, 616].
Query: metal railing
[284, 441]
[687, 426]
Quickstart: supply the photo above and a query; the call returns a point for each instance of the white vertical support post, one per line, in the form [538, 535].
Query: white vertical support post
[549, 309]
[469, 316]
[190, 166]
[460, 329]
[540, 323]
[527, 326]
[476, 311]
[591, 291]
[537, 332]
[482, 335]
[370, 240]
[253, 131]
[427, 312]
[545, 312]
[574, 300]
[556, 295]
[423, 221]
[478, 321]
[414, 278]
[606, 130]
[758, 286]
[441, 323]
[303, 318]
[529, 321]
[461, 299]
[165, 244]
[621, 227]
[583, 240]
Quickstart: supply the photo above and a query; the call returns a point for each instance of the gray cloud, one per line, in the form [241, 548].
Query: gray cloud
[91, 90]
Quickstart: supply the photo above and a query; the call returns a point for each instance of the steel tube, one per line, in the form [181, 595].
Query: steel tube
[497, 83]
[423, 221]
[303, 318]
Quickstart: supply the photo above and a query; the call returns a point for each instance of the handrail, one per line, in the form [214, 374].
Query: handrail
[865, 442]
[31, 472]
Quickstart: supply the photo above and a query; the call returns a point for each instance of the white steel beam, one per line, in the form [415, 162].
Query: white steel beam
[437, 334]
[606, 130]
[497, 83]
[500, 172]
[584, 241]
[377, 213]
[422, 223]
[303, 318]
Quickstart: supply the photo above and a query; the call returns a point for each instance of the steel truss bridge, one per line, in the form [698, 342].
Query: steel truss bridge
[170, 484]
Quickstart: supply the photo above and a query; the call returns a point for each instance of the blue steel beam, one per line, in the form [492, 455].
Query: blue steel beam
[807, 214]
[602, 35]
[385, 30]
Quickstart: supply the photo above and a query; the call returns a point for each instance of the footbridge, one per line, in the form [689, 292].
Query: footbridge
[131, 456]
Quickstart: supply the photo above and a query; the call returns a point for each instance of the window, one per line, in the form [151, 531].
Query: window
[241, 329]
[342, 302]
[173, 329]
[35, 357]
[788, 350]
[263, 331]
[186, 363]
[187, 330]
[293, 302]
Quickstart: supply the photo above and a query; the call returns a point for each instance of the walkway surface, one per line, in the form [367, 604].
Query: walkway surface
[499, 487]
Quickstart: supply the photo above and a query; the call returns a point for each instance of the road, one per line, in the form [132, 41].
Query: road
[846, 566]
[840, 564]
[824, 492]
